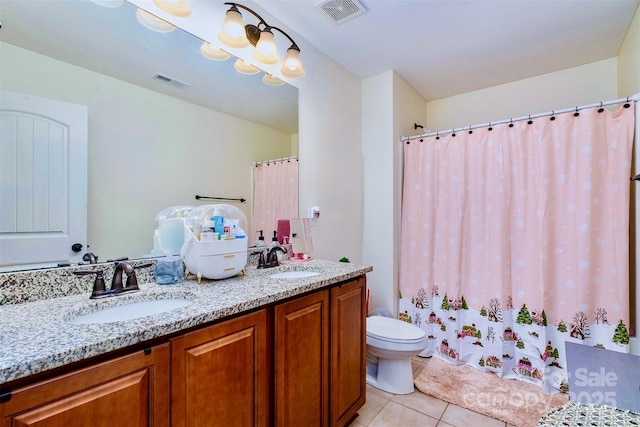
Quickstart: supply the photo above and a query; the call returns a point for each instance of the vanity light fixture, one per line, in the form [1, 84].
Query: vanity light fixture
[108, 3]
[245, 68]
[271, 80]
[237, 35]
[180, 8]
[213, 53]
[154, 23]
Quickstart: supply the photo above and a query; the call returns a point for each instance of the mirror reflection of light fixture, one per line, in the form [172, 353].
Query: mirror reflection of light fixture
[108, 3]
[213, 53]
[153, 23]
[180, 8]
[237, 35]
[272, 80]
[245, 68]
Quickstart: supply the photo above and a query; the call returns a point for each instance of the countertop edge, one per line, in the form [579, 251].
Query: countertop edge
[58, 344]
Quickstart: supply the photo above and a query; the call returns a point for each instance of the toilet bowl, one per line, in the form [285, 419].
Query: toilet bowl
[391, 344]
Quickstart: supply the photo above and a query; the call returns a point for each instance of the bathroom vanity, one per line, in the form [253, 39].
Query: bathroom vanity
[249, 350]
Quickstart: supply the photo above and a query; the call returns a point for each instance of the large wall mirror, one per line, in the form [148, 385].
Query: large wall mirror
[151, 143]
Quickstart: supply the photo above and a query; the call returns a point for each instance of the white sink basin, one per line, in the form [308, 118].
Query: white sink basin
[294, 274]
[130, 311]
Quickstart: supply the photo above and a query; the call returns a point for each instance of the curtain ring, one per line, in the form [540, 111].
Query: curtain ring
[600, 110]
[437, 135]
[453, 132]
[530, 122]
[511, 122]
[489, 128]
[576, 114]
[553, 117]
[627, 105]
[470, 131]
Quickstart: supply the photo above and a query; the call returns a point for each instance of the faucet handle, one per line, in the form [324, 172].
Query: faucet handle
[132, 280]
[261, 262]
[99, 288]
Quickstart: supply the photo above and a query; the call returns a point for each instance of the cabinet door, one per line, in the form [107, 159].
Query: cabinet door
[348, 352]
[301, 352]
[128, 391]
[219, 374]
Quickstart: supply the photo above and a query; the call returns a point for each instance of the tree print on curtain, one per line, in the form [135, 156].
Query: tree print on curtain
[515, 240]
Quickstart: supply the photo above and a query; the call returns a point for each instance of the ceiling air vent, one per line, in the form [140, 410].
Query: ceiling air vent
[341, 11]
[170, 81]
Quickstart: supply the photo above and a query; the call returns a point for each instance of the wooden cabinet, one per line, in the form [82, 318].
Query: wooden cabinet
[301, 361]
[320, 357]
[296, 363]
[132, 390]
[348, 351]
[219, 374]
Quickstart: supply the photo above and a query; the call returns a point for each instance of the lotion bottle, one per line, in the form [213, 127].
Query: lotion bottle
[274, 240]
[260, 240]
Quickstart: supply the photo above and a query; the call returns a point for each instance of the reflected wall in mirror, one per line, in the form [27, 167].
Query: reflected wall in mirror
[150, 145]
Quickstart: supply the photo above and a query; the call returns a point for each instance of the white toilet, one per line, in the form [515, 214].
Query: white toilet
[391, 344]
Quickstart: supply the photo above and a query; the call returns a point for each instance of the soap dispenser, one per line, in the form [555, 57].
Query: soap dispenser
[274, 240]
[260, 240]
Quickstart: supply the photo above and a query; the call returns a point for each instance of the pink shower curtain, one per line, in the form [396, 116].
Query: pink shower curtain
[515, 240]
[275, 195]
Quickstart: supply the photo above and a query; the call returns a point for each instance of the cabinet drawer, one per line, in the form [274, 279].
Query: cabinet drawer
[131, 390]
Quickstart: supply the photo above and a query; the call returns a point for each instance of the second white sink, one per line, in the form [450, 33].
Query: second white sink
[131, 311]
[294, 274]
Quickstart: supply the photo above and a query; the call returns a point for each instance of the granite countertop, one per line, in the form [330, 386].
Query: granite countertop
[37, 336]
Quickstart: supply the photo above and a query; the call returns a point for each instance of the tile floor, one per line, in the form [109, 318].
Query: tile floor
[417, 409]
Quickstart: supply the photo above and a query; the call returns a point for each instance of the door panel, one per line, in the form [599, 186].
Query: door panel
[43, 172]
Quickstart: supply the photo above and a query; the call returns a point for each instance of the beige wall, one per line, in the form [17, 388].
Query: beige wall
[629, 60]
[378, 210]
[329, 111]
[147, 151]
[563, 89]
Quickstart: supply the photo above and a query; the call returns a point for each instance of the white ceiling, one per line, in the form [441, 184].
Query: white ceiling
[440, 47]
[448, 47]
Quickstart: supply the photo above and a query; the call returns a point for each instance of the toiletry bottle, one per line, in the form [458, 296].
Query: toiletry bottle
[260, 239]
[274, 240]
[218, 221]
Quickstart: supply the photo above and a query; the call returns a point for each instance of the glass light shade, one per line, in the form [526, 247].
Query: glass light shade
[232, 33]
[213, 53]
[292, 66]
[180, 8]
[272, 80]
[266, 51]
[244, 68]
[153, 23]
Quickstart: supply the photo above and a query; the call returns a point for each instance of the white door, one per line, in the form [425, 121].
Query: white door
[43, 180]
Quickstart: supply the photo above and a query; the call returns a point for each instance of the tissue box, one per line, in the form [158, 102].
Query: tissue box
[169, 270]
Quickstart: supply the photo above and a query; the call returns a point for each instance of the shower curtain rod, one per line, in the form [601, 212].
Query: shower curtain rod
[275, 160]
[633, 98]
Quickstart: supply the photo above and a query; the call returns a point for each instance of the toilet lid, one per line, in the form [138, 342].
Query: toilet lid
[388, 329]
